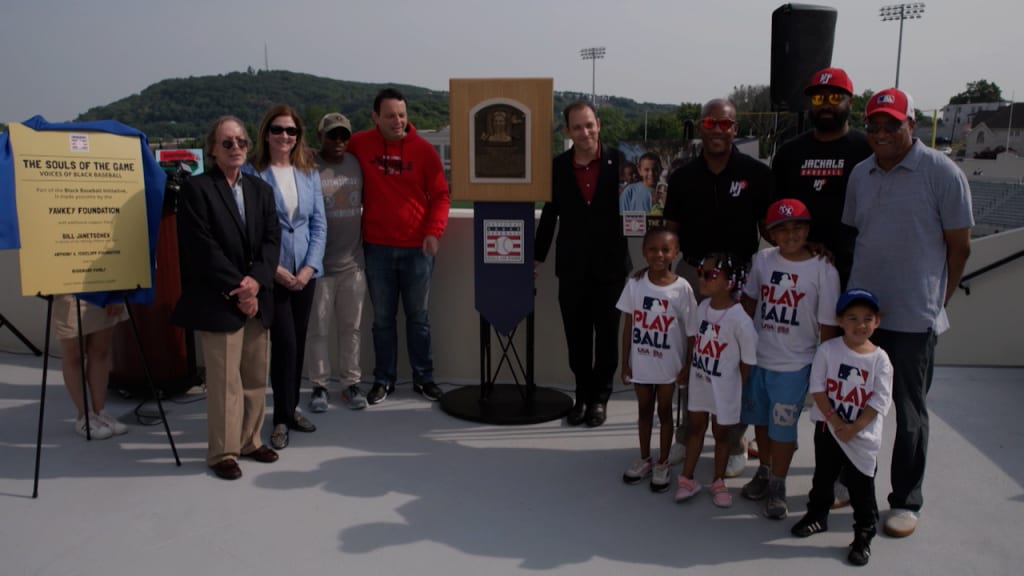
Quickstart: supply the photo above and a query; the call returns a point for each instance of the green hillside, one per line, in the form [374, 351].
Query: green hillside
[185, 107]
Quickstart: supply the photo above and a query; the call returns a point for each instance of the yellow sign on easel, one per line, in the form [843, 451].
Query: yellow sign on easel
[81, 211]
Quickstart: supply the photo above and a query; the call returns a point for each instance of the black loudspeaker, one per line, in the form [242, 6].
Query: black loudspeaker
[802, 39]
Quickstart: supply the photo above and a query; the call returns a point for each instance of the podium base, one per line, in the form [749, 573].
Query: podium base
[505, 405]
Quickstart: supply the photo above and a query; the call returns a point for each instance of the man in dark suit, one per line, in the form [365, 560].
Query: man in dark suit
[230, 241]
[591, 258]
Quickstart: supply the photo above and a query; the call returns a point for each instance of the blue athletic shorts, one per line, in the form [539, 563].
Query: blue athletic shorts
[775, 399]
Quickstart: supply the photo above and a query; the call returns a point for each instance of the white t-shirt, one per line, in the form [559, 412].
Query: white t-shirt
[852, 381]
[284, 177]
[663, 318]
[793, 299]
[724, 339]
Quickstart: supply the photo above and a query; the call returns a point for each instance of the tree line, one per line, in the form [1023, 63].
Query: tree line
[184, 108]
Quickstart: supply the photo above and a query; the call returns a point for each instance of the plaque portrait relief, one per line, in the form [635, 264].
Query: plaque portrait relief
[499, 141]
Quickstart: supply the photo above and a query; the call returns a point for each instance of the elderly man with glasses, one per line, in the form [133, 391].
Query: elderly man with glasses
[911, 206]
[230, 246]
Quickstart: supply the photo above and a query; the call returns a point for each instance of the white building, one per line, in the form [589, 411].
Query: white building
[993, 129]
[957, 118]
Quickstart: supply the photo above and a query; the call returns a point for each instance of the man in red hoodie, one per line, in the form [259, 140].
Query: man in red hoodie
[405, 211]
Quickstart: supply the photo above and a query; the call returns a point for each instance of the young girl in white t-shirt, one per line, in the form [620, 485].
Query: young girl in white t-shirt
[657, 332]
[723, 351]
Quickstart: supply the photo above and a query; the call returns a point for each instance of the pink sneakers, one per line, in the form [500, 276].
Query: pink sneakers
[686, 488]
[720, 494]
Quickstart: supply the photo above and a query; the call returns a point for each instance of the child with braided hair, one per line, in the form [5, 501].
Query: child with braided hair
[724, 351]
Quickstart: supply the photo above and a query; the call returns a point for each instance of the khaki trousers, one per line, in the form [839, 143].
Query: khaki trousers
[337, 308]
[236, 387]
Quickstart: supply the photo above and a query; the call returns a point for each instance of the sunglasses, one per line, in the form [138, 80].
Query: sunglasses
[709, 123]
[891, 126]
[278, 130]
[834, 99]
[339, 134]
[230, 143]
[708, 275]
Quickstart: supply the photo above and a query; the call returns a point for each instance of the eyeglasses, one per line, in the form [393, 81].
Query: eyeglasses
[230, 143]
[339, 134]
[289, 130]
[708, 275]
[833, 98]
[891, 126]
[723, 124]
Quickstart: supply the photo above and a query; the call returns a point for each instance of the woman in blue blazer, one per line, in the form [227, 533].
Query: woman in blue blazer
[281, 160]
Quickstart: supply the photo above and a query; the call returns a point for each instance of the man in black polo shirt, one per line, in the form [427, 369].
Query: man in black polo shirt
[715, 204]
[716, 201]
[815, 166]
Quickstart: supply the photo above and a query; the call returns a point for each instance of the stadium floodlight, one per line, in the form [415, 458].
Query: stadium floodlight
[901, 12]
[593, 54]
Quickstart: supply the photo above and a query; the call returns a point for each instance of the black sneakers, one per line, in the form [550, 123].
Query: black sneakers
[860, 549]
[757, 488]
[808, 526]
[428, 390]
[379, 392]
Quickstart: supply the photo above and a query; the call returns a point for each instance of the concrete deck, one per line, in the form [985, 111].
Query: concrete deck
[402, 488]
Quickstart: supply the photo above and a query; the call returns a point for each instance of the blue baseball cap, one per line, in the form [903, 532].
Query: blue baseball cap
[854, 295]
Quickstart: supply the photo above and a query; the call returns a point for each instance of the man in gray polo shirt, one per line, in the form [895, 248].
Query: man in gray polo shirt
[911, 207]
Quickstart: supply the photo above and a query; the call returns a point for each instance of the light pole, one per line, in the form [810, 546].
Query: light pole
[900, 12]
[593, 54]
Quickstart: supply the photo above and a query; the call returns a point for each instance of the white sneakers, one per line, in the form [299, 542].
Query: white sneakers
[677, 454]
[101, 426]
[115, 425]
[637, 471]
[900, 523]
[736, 464]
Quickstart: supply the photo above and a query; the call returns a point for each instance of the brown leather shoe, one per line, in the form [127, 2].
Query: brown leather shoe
[227, 469]
[262, 454]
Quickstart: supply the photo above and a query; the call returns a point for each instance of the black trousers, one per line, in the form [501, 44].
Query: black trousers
[829, 462]
[288, 347]
[592, 335]
[913, 363]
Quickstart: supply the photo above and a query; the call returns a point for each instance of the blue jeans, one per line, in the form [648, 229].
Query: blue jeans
[392, 272]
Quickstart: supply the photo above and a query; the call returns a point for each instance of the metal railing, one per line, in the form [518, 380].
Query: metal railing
[984, 269]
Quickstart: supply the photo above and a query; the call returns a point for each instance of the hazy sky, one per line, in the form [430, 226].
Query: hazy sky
[61, 57]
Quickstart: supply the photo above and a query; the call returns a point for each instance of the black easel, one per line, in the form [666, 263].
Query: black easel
[14, 329]
[85, 387]
[515, 404]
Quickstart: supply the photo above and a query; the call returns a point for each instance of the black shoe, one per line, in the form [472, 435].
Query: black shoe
[577, 414]
[808, 526]
[428, 390]
[860, 550]
[596, 414]
[379, 392]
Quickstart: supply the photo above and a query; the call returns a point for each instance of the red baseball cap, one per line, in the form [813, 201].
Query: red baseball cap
[785, 210]
[891, 101]
[831, 77]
